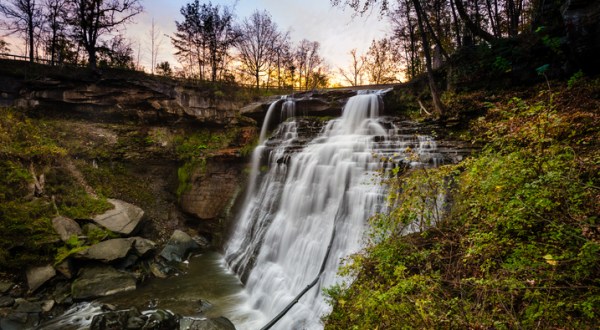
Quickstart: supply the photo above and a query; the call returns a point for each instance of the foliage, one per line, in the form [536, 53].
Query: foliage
[91, 19]
[575, 79]
[204, 38]
[28, 154]
[194, 149]
[164, 69]
[518, 246]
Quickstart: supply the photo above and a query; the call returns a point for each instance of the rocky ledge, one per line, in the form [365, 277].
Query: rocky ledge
[97, 267]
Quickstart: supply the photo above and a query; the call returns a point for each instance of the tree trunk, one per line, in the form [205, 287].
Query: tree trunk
[435, 95]
[92, 57]
[474, 28]
[30, 28]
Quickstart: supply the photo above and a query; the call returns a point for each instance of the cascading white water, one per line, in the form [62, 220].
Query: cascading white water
[292, 210]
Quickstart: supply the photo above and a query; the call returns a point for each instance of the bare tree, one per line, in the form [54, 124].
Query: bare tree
[354, 73]
[205, 35]
[155, 44]
[307, 61]
[257, 43]
[91, 19]
[381, 62]
[4, 46]
[24, 17]
[55, 12]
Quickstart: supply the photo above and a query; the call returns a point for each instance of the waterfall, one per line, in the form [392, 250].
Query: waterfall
[299, 195]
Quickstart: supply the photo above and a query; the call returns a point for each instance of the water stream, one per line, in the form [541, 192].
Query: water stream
[306, 195]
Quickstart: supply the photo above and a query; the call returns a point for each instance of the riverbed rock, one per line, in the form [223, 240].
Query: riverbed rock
[65, 268]
[37, 276]
[6, 301]
[66, 227]
[100, 281]
[24, 306]
[108, 251]
[133, 319]
[5, 286]
[142, 246]
[179, 245]
[219, 323]
[123, 219]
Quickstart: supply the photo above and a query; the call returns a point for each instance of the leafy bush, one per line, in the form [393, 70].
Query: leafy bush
[518, 246]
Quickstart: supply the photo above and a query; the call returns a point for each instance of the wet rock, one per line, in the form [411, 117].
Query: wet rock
[66, 227]
[123, 219]
[65, 268]
[37, 276]
[142, 246]
[114, 319]
[24, 306]
[48, 305]
[5, 286]
[9, 324]
[134, 319]
[129, 261]
[6, 301]
[162, 319]
[219, 323]
[108, 251]
[19, 317]
[62, 293]
[158, 270]
[101, 281]
[179, 245]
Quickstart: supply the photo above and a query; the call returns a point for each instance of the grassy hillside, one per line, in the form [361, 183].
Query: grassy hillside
[516, 242]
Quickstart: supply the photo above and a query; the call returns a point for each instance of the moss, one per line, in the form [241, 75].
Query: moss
[26, 213]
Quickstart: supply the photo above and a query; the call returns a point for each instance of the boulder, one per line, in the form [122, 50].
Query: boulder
[134, 319]
[179, 245]
[65, 268]
[5, 286]
[6, 301]
[65, 227]
[142, 246]
[37, 276]
[24, 306]
[219, 323]
[48, 305]
[123, 219]
[100, 281]
[108, 251]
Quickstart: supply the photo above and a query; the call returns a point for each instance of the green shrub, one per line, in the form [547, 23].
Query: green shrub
[517, 247]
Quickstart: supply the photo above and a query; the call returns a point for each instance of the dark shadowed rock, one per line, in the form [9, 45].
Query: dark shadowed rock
[24, 306]
[219, 323]
[37, 276]
[123, 219]
[100, 281]
[179, 245]
[108, 251]
[142, 246]
[134, 319]
[65, 268]
[6, 301]
[66, 227]
[5, 286]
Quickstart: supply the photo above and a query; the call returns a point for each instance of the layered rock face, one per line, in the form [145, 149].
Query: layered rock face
[117, 99]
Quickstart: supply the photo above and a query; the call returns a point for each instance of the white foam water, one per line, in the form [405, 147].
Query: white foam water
[327, 189]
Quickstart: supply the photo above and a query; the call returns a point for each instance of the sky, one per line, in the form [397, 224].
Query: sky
[336, 29]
